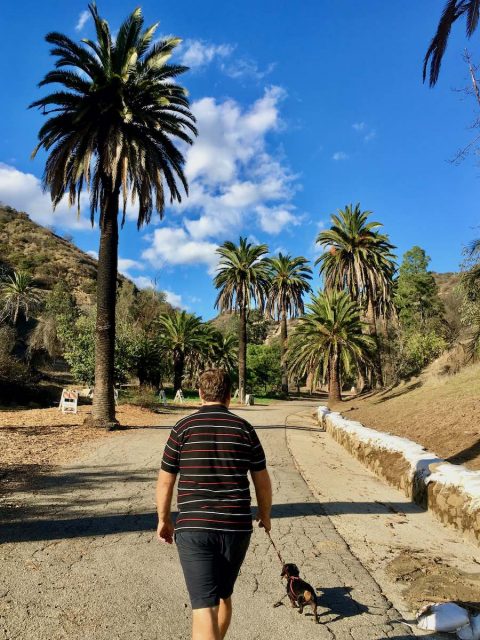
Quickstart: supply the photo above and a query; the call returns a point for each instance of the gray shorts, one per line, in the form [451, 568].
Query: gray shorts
[211, 561]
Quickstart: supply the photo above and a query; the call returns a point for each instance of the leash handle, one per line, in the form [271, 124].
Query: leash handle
[273, 545]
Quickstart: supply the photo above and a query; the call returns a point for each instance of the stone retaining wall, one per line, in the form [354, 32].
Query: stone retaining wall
[451, 492]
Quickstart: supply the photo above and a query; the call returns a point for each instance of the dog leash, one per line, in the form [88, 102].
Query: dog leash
[273, 545]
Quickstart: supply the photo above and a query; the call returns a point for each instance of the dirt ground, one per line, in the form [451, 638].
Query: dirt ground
[442, 413]
[34, 440]
[426, 579]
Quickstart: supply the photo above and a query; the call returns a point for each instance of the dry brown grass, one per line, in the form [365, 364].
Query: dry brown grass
[440, 412]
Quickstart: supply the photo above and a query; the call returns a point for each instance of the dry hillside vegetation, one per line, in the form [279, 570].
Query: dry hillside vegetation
[440, 412]
[27, 246]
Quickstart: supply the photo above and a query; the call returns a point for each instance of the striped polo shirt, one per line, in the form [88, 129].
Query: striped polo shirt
[213, 450]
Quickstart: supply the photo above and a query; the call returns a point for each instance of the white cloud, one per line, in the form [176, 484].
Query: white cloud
[365, 130]
[82, 20]
[125, 264]
[274, 220]
[23, 191]
[175, 299]
[340, 155]
[174, 246]
[93, 254]
[230, 170]
[143, 282]
[246, 68]
[237, 185]
[198, 53]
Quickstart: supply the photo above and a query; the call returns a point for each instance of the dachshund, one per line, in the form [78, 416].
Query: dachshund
[300, 593]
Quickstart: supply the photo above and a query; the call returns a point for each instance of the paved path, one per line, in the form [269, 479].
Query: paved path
[84, 563]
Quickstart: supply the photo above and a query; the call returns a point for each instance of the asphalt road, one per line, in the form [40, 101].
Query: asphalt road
[81, 562]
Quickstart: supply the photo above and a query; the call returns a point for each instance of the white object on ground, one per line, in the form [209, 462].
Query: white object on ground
[249, 399]
[179, 397]
[68, 401]
[446, 617]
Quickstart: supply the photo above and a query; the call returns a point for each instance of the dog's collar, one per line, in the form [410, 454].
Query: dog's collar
[290, 580]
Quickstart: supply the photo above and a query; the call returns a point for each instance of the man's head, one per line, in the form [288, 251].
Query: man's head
[215, 386]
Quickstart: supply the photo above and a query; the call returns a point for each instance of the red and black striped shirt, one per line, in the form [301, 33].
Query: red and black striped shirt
[213, 450]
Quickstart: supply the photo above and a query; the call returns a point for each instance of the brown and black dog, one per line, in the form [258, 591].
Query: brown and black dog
[300, 593]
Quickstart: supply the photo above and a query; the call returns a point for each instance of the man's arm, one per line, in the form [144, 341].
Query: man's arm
[165, 485]
[263, 491]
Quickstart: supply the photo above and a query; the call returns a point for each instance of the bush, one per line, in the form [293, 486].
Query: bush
[419, 349]
[15, 376]
[264, 373]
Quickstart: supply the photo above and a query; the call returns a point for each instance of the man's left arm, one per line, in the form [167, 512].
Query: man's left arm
[165, 485]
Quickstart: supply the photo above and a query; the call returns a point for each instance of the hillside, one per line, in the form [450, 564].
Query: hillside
[440, 412]
[26, 245]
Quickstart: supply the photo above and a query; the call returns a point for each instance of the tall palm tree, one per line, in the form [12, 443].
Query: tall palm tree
[182, 334]
[329, 340]
[18, 294]
[358, 259]
[242, 279]
[111, 128]
[452, 11]
[289, 282]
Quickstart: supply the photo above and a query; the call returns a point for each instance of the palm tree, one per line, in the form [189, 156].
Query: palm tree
[18, 295]
[183, 336]
[111, 128]
[358, 259]
[329, 340]
[225, 351]
[242, 278]
[452, 11]
[289, 282]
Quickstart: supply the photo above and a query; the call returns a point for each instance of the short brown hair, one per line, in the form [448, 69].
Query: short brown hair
[215, 385]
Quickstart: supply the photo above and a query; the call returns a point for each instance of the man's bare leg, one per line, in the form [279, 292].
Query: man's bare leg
[205, 624]
[224, 616]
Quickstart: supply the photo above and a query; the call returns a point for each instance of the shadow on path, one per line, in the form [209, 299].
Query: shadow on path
[339, 602]
[31, 528]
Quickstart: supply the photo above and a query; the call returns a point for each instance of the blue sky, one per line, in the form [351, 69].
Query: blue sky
[302, 108]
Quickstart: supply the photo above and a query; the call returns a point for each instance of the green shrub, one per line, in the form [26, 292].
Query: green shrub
[264, 373]
[419, 349]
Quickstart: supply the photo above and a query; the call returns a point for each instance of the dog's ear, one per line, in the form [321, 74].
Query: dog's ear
[284, 571]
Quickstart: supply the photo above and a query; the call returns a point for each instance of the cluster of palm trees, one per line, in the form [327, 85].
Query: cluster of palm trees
[193, 346]
[338, 335]
[275, 285]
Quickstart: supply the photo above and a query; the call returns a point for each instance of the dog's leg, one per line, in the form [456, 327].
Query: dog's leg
[314, 605]
[301, 603]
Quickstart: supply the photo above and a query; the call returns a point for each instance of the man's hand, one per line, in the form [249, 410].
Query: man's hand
[165, 531]
[264, 522]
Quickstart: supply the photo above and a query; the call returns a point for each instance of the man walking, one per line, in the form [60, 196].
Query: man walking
[213, 450]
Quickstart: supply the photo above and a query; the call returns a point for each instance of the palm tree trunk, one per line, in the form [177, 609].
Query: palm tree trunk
[178, 368]
[242, 353]
[103, 410]
[377, 364]
[334, 390]
[283, 345]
